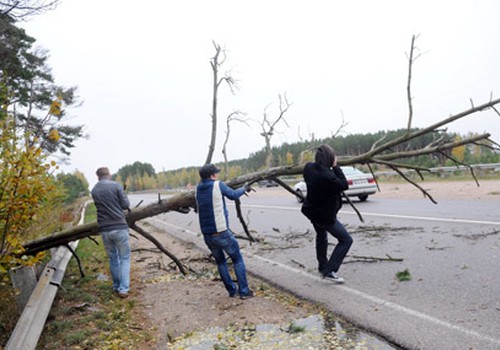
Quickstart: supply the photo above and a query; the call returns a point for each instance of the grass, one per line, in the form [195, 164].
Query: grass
[293, 328]
[403, 276]
[9, 314]
[85, 314]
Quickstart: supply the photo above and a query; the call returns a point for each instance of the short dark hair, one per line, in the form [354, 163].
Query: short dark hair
[102, 172]
[208, 170]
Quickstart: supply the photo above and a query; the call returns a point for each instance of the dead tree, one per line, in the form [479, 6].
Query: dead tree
[216, 62]
[237, 116]
[268, 126]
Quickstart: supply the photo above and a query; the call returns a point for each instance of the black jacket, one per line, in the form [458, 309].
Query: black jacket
[324, 188]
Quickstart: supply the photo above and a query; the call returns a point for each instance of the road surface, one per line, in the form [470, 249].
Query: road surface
[451, 250]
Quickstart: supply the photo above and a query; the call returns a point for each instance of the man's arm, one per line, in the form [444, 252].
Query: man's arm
[229, 192]
[339, 179]
[122, 197]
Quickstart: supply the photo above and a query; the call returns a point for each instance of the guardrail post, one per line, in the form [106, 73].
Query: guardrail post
[24, 282]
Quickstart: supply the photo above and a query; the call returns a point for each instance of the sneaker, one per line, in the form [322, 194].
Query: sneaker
[333, 277]
[123, 295]
[247, 296]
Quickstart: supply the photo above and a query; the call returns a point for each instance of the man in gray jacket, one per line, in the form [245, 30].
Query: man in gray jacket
[111, 201]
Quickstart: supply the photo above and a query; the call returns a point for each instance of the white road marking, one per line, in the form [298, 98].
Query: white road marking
[394, 216]
[369, 297]
[385, 303]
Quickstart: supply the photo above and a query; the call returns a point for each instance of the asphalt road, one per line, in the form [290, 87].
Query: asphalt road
[451, 250]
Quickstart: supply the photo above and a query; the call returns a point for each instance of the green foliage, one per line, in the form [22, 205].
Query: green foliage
[26, 189]
[31, 114]
[91, 213]
[32, 98]
[137, 169]
[403, 276]
[75, 186]
[293, 328]
[137, 176]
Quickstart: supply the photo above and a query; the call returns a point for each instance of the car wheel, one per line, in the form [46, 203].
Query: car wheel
[363, 197]
[299, 198]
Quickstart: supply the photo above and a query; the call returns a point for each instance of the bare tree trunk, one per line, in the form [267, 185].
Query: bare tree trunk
[233, 116]
[268, 127]
[216, 62]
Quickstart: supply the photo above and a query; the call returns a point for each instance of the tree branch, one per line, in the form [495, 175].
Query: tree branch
[159, 246]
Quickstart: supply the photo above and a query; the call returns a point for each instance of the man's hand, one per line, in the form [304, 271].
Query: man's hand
[248, 188]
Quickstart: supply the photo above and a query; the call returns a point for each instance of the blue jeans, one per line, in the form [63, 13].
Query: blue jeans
[225, 242]
[338, 231]
[117, 247]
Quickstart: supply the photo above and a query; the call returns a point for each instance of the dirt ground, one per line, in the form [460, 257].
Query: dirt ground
[175, 305]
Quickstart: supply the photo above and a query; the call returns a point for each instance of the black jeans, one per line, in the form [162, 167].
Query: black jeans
[338, 231]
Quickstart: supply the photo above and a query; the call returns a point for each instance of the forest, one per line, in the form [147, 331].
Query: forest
[142, 176]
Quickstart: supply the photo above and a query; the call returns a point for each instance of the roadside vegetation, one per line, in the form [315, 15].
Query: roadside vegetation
[85, 314]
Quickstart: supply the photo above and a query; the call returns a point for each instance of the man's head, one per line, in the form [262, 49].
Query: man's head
[208, 170]
[103, 173]
[325, 156]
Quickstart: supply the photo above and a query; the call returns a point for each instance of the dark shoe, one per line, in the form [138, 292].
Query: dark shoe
[123, 295]
[247, 296]
[332, 276]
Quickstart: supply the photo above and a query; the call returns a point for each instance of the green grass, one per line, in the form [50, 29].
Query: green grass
[85, 314]
[293, 329]
[403, 276]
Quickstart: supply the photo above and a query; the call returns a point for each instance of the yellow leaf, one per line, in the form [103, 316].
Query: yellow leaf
[55, 107]
[54, 135]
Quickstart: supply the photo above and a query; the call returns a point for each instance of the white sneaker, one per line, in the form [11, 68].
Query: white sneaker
[334, 278]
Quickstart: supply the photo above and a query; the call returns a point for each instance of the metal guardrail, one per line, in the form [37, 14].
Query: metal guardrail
[30, 325]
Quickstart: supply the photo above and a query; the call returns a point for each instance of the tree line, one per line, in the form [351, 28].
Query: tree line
[142, 176]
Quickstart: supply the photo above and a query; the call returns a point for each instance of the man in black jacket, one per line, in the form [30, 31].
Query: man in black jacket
[325, 183]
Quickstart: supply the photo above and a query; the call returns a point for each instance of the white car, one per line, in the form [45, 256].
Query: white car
[361, 185]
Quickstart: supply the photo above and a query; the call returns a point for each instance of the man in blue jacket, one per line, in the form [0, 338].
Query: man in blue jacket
[214, 224]
[111, 201]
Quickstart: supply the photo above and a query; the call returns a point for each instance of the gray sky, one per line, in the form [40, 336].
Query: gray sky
[143, 71]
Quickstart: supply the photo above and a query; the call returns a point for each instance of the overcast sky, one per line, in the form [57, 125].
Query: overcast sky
[144, 76]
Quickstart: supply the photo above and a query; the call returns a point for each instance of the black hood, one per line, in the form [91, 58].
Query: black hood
[325, 156]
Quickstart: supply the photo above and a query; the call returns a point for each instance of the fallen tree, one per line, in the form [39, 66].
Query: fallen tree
[381, 153]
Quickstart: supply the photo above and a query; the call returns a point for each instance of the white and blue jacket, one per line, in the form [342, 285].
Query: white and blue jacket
[212, 211]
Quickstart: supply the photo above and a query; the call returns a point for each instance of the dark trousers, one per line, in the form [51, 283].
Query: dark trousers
[337, 230]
